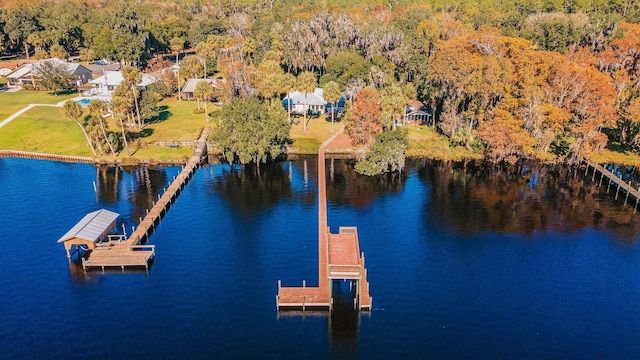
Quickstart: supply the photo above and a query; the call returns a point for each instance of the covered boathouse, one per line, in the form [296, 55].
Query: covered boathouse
[90, 231]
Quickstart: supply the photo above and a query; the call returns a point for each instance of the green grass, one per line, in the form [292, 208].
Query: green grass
[608, 156]
[304, 146]
[177, 121]
[45, 129]
[308, 142]
[42, 129]
[10, 102]
[425, 142]
[3, 82]
[160, 154]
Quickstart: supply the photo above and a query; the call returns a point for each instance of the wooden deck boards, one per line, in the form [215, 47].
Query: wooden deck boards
[118, 255]
[343, 249]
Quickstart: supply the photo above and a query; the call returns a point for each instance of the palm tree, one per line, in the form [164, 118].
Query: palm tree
[72, 110]
[204, 92]
[97, 107]
[332, 93]
[119, 106]
[177, 45]
[203, 50]
[306, 83]
[286, 85]
[133, 77]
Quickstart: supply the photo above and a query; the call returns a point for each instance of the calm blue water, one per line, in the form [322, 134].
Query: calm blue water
[462, 264]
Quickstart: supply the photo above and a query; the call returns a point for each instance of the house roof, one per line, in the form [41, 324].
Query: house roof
[191, 84]
[416, 107]
[314, 98]
[33, 67]
[99, 69]
[19, 72]
[92, 226]
[115, 78]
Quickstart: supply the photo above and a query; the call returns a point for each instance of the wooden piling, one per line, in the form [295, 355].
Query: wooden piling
[601, 176]
[627, 197]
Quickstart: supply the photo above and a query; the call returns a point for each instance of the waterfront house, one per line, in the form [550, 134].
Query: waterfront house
[416, 112]
[28, 75]
[314, 103]
[103, 86]
[190, 87]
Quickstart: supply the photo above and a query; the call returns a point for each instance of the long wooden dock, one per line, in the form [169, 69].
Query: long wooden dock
[339, 257]
[615, 180]
[131, 252]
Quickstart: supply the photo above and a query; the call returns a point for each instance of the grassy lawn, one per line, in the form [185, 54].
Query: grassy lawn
[63, 136]
[177, 121]
[609, 156]
[425, 142]
[10, 102]
[308, 142]
[44, 129]
[159, 154]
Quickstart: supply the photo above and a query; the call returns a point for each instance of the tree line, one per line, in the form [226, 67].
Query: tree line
[547, 79]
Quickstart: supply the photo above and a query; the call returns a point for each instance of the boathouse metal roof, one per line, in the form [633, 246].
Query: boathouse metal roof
[92, 227]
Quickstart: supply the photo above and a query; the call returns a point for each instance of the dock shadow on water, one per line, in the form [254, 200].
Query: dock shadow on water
[344, 320]
[523, 198]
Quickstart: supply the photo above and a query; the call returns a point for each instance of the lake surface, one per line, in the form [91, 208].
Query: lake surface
[463, 262]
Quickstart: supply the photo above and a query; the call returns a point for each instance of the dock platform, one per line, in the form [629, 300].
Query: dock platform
[339, 258]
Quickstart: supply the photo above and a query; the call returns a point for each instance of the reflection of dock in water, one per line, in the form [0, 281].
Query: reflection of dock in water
[615, 180]
[132, 252]
[339, 258]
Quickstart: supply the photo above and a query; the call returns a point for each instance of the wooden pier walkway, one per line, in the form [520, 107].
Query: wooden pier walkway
[132, 252]
[612, 178]
[339, 257]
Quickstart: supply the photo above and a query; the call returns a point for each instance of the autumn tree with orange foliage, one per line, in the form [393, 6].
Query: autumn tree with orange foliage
[364, 118]
[620, 60]
[520, 101]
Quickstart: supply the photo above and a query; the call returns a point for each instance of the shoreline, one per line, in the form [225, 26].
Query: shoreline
[331, 153]
[84, 159]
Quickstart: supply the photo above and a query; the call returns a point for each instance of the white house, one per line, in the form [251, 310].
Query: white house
[315, 101]
[105, 84]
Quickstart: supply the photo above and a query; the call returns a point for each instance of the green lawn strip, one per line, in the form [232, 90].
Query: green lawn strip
[609, 156]
[11, 102]
[426, 142]
[42, 129]
[156, 153]
[304, 146]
